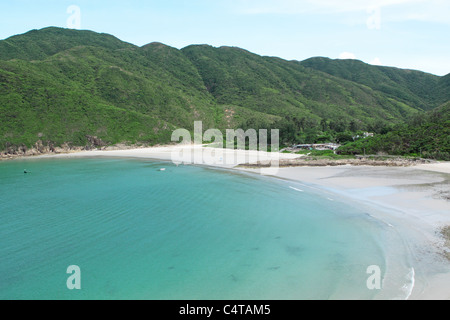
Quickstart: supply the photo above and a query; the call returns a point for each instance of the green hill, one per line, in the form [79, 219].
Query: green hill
[414, 88]
[443, 88]
[41, 44]
[275, 86]
[61, 86]
[424, 136]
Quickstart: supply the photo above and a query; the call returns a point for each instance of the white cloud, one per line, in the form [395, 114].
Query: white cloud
[347, 55]
[376, 62]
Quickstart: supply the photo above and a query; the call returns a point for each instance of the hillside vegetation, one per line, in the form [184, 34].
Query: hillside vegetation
[68, 87]
[425, 136]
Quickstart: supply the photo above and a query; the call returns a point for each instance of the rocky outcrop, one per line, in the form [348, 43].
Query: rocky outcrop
[309, 162]
[94, 143]
[39, 148]
[48, 147]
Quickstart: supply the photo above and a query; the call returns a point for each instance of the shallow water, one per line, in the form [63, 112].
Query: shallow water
[184, 233]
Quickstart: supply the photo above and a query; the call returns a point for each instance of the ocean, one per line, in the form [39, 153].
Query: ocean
[186, 233]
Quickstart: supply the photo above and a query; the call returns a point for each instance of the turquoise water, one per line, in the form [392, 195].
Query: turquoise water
[185, 233]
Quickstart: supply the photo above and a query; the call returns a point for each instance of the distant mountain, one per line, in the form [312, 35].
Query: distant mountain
[415, 88]
[60, 86]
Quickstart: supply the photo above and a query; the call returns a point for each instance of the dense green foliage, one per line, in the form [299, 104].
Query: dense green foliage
[323, 154]
[41, 44]
[424, 136]
[62, 86]
[287, 89]
[411, 87]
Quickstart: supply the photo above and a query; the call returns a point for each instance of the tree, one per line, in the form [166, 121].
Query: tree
[344, 137]
[324, 125]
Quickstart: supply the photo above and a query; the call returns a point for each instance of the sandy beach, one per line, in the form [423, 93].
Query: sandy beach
[414, 200]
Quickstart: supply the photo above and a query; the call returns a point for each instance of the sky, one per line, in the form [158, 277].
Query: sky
[410, 34]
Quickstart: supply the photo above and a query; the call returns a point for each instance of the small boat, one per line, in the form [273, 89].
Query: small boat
[162, 169]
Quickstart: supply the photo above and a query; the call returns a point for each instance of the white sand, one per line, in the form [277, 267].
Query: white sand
[436, 167]
[195, 154]
[411, 197]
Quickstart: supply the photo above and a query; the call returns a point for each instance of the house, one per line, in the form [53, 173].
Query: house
[364, 136]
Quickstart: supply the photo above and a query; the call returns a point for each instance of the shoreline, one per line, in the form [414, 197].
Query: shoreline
[258, 159]
[404, 199]
[414, 199]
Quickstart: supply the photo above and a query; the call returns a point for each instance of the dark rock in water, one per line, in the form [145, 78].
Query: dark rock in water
[274, 268]
[295, 251]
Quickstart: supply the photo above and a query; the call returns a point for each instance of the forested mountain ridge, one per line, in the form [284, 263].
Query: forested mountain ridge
[412, 87]
[60, 86]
